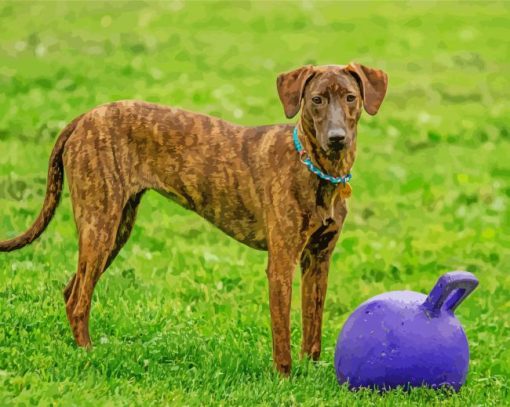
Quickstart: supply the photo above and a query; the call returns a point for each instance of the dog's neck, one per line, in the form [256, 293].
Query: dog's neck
[336, 163]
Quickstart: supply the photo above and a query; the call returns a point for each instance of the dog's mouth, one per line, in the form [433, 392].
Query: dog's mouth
[337, 145]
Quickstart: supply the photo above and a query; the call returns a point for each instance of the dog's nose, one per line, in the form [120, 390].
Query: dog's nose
[336, 136]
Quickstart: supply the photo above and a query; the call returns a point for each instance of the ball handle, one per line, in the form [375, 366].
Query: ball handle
[450, 290]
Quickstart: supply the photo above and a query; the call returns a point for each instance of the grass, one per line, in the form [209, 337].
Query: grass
[181, 317]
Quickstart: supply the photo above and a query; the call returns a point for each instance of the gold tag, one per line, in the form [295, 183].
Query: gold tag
[345, 190]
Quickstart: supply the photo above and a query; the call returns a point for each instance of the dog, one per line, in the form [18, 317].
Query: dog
[280, 188]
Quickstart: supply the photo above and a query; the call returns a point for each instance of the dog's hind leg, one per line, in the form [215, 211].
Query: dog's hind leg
[124, 230]
[69, 288]
[97, 238]
[125, 227]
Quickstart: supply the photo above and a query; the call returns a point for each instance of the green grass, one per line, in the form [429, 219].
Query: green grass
[181, 317]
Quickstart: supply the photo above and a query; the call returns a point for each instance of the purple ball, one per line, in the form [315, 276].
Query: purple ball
[404, 338]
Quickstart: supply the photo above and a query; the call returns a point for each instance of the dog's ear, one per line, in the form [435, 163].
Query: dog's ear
[373, 84]
[290, 88]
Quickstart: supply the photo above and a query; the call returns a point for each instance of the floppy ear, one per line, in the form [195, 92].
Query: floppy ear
[373, 83]
[290, 88]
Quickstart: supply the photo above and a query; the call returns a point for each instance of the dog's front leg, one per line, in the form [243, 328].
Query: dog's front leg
[315, 261]
[282, 262]
[280, 270]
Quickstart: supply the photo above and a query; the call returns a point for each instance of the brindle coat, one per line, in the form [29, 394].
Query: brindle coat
[248, 181]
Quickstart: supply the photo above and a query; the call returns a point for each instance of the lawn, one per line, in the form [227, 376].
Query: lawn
[181, 317]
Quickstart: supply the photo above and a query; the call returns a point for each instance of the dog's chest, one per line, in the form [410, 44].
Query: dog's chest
[330, 201]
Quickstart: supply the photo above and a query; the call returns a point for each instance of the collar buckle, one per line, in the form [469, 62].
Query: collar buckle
[303, 156]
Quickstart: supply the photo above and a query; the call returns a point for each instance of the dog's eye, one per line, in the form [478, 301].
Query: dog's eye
[350, 98]
[317, 100]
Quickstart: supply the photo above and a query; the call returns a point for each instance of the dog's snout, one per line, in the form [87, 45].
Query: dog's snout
[336, 136]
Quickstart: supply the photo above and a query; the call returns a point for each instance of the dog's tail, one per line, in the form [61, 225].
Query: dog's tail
[53, 191]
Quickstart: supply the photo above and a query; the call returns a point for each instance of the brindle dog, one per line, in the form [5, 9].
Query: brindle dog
[248, 181]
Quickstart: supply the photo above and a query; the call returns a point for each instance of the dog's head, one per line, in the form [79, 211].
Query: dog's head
[331, 98]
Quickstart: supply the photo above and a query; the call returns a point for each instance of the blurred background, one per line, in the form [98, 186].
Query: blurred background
[182, 314]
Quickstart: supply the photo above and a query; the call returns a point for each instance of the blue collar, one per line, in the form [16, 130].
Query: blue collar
[305, 159]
